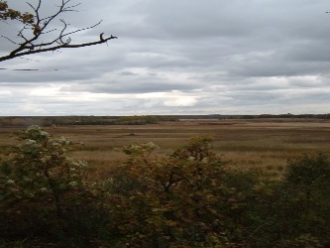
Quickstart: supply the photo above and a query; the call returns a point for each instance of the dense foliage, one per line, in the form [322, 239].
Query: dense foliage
[42, 193]
[7, 13]
[190, 198]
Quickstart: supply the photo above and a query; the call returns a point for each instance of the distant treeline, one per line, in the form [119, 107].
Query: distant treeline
[301, 116]
[24, 121]
[21, 121]
[261, 116]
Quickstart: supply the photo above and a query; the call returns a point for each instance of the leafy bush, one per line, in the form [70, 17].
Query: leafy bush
[296, 212]
[190, 198]
[42, 192]
[307, 197]
[187, 199]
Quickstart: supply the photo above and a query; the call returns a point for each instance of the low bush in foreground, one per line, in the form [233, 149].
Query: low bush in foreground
[187, 199]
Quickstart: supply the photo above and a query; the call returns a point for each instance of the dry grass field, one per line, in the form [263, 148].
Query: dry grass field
[261, 143]
[185, 201]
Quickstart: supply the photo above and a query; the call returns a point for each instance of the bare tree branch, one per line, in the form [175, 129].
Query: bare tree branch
[10, 40]
[32, 38]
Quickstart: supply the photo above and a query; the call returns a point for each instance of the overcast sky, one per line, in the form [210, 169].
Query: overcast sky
[179, 57]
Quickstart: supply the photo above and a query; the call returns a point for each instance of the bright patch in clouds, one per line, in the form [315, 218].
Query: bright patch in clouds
[34, 109]
[5, 93]
[170, 99]
[178, 100]
[216, 56]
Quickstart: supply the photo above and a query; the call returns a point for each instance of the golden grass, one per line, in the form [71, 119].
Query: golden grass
[246, 143]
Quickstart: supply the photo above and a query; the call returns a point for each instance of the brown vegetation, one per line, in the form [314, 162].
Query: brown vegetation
[258, 143]
[190, 197]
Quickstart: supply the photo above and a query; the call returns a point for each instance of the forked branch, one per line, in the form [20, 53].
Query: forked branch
[31, 38]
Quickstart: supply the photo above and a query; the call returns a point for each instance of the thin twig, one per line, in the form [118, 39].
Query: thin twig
[31, 44]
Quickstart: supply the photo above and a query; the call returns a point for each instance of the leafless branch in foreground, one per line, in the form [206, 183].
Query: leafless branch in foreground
[32, 35]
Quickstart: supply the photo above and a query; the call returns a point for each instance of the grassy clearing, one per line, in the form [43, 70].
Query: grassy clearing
[246, 143]
[188, 199]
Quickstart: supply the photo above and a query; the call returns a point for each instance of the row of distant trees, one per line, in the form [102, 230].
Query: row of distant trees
[81, 120]
[138, 120]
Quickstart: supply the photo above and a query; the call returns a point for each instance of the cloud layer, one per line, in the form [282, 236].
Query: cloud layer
[179, 57]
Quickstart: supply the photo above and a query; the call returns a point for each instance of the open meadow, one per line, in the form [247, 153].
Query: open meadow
[255, 143]
[250, 188]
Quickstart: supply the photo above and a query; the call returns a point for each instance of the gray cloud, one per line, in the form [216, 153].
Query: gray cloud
[187, 56]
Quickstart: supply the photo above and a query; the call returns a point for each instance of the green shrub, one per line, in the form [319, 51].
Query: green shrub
[42, 191]
[307, 194]
[187, 199]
